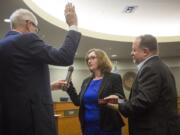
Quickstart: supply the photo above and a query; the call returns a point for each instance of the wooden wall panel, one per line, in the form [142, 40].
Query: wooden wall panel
[69, 125]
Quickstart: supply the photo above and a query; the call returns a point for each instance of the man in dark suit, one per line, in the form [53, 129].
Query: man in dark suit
[26, 102]
[152, 105]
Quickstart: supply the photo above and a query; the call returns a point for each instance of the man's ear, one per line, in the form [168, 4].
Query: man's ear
[146, 51]
[27, 26]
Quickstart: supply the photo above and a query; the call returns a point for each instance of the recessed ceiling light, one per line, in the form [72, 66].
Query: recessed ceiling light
[130, 9]
[7, 20]
[114, 55]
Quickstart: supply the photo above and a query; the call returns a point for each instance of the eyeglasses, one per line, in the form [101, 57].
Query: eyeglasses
[91, 58]
[37, 28]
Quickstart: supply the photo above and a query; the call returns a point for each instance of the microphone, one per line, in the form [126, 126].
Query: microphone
[68, 77]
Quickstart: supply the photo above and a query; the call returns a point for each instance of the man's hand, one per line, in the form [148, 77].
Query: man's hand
[112, 96]
[113, 106]
[70, 15]
[58, 84]
[110, 105]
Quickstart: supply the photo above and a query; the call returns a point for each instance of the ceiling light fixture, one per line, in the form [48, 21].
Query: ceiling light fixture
[7, 20]
[130, 9]
[113, 55]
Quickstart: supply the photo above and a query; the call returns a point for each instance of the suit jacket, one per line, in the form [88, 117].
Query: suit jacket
[26, 102]
[110, 120]
[152, 106]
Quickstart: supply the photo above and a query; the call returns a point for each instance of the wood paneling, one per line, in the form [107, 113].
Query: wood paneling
[178, 105]
[68, 124]
[125, 128]
[67, 120]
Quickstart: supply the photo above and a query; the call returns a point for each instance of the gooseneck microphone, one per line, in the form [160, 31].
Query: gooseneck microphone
[68, 77]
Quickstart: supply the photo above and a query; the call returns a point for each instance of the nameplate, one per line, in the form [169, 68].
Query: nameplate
[72, 112]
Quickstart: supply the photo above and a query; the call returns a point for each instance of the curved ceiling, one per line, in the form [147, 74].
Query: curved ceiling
[113, 20]
[54, 36]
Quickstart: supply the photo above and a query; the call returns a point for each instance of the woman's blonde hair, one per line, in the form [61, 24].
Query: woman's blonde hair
[104, 63]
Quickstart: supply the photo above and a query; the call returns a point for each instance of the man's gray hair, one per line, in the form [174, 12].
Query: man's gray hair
[19, 17]
[149, 41]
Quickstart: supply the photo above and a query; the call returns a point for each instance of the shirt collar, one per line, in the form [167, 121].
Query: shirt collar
[142, 63]
[12, 32]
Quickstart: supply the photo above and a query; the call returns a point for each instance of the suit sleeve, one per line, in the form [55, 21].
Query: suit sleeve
[149, 82]
[75, 98]
[43, 53]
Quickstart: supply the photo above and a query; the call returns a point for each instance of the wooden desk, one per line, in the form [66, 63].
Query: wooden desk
[125, 128]
[67, 120]
[178, 104]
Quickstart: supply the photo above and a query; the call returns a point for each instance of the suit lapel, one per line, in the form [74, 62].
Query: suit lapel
[134, 86]
[84, 88]
[103, 85]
